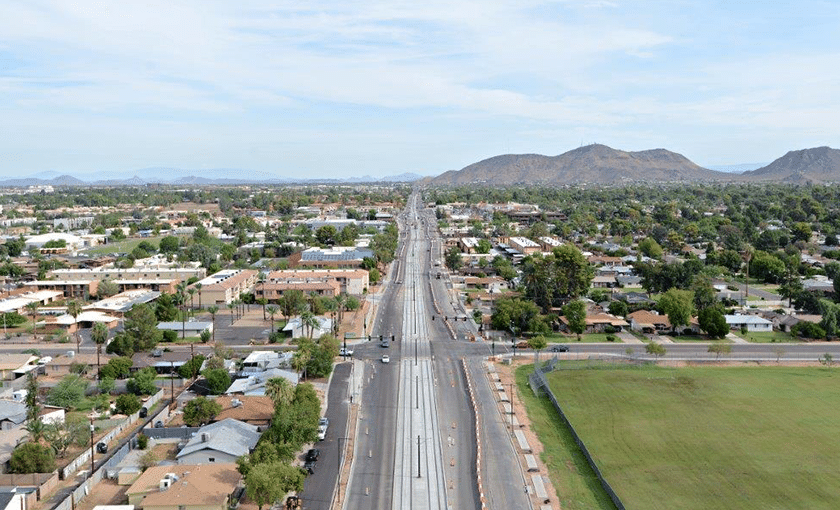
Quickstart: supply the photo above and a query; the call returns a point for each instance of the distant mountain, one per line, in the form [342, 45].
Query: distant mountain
[176, 176]
[597, 164]
[817, 165]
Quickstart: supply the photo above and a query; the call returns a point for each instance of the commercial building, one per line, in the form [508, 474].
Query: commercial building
[225, 286]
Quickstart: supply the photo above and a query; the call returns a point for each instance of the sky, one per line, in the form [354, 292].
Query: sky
[349, 88]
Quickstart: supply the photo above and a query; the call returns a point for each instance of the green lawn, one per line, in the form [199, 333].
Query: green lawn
[572, 339]
[768, 337]
[575, 483]
[708, 437]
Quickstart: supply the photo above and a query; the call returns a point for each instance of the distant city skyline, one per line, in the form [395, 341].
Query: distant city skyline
[379, 88]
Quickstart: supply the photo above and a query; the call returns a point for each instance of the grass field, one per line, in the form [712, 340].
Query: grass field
[708, 437]
[766, 337]
[575, 483]
[554, 338]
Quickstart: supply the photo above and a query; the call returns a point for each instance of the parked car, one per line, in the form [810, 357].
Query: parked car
[558, 348]
[386, 358]
[344, 351]
[309, 466]
[102, 447]
[313, 454]
[522, 345]
[323, 425]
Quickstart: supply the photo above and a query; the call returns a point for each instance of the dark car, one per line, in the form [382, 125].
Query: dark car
[102, 447]
[558, 348]
[313, 454]
[309, 466]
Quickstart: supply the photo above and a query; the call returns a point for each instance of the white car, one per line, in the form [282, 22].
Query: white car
[323, 425]
[345, 352]
[386, 358]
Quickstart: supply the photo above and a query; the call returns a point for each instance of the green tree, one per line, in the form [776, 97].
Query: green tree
[62, 435]
[649, 247]
[326, 235]
[68, 393]
[720, 348]
[280, 390]
[618, 308]
[140, 332]
[767, 267]
[537, 343]
[575, 313]
[32, 458]
[483, 246]
[127, 404]
[99, 335]
[143, 382]
[655, 349]
[453, 259]
[678, 305]
[31, 399]
[713, 322]
[106, 288]
[268, 483]
[190, 369]
[32, 309]
[117, 368]
[213, 310]
[169, 244]
[514, 315]
[200, 410]
[218, 380]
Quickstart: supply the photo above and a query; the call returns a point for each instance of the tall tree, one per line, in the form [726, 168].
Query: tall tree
[268, 483]
[99, 335]
[32, 309]
[213, 311]
[74, 309]
[575, 313]
[280, 390]
[678, 305]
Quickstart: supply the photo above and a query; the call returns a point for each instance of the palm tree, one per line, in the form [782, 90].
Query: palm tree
[182, 298]
[191, 291]
[280, 390]
[300, 359]
[99, 335]
[213, 310]
[230, 307]
[74, 309]
[32, 309]
[272, 310]
[309, 321]
[198, 287]
[262, 302]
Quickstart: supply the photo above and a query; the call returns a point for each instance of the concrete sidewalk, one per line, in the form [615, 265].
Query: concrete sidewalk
[628, 338]
[735, 339]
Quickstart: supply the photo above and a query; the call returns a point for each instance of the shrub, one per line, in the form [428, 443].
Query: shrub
[143, 382]
[142, 441]
[170, 335]
[32, 458]
[611, 338]
[128, 404]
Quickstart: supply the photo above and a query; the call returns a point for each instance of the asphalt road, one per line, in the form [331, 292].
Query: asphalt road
[319, 487]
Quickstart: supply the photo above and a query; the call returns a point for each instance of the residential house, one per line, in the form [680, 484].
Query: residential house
[252, 409]
[752, 323]
[599, 322]
[295, 328]
[649, 322]
[604, 282]
[185, 487]
[13, 366]
[220, 442]
[60, 366]
[254, 384]
[12, 414]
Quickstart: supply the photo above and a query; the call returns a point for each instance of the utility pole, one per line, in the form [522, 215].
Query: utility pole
[417, 398]
[418, 455]
[92, 428]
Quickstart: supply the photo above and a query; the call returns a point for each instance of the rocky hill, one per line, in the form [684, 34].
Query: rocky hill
[595, 164]
[817, 165]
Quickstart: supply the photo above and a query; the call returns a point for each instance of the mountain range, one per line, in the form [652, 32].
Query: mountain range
[177, 176]
[599, 164]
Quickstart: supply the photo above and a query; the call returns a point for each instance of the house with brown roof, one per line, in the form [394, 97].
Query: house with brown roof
[649, 322]
[60, 366]
[251, 409]
[185, 487]
[598, 322]
[352, 281]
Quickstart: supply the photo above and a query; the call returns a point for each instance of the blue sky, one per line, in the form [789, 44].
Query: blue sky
[336, 89]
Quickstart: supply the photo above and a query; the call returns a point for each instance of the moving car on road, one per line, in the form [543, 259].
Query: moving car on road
[323, 425]
[386, 358]
[558, 348]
